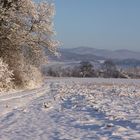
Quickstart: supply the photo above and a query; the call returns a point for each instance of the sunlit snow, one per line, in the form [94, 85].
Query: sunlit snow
[73, 109]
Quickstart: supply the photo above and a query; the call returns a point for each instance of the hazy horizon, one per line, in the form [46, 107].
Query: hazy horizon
[109, 24]
[109, 49]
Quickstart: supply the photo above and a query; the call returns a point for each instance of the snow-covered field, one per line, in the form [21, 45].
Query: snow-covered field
[73, 109]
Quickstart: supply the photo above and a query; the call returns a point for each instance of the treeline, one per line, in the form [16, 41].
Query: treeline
[85, 69]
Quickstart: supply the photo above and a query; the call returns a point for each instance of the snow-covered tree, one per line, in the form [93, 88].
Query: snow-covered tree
[110, 69]
[86, 69]
[26, 29]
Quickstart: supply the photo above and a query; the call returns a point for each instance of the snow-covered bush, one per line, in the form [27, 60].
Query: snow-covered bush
[5, 76]
[35, 78]
[31, 77]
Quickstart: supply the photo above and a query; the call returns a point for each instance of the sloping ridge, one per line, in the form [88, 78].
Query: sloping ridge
[101, 53]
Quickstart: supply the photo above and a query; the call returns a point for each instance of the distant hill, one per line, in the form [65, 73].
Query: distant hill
[72, 56]
[102, 53]
[127, 63]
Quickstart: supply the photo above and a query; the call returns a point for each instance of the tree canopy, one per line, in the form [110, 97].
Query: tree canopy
[26, 29]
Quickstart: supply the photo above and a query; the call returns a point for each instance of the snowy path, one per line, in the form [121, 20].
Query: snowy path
[72, 110]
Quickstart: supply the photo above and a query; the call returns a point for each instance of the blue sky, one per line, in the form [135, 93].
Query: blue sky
[106, 24]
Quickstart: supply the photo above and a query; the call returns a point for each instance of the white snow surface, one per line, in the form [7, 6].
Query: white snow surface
[73, 109]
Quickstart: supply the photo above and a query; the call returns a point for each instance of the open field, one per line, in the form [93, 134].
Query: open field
[73, 109]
